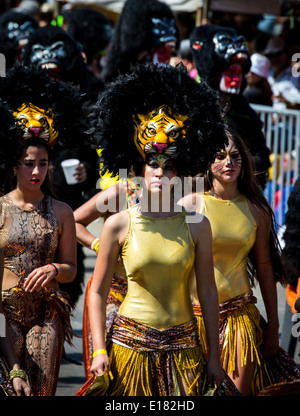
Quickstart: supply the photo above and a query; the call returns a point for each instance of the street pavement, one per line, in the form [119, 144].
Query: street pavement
[72, 377]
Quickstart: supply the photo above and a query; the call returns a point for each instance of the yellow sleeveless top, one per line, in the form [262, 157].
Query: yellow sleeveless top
[234, 232]
[158, 256]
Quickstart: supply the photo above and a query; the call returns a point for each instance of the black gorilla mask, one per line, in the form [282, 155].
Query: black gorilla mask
[230, 47]
[19, 32]
[234, 50]
[53, 58]
[225, 55]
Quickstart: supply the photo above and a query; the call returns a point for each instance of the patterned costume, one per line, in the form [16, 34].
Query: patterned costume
[30, 92]
[39, 321]
[53, 112]
[59, 54]
[7, 123]
[233, 238]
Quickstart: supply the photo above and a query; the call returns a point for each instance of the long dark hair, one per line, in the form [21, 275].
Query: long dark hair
[249, 186]
[11, 182]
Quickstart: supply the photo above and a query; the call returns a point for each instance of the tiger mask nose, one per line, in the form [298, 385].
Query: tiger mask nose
[35, 131]
[160, 147]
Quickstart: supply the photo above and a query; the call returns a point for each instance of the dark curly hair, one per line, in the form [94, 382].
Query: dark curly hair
[146, 88]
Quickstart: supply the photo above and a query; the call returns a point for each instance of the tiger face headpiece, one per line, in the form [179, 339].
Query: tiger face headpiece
[44, 108]
[36, 122]
[158, 109]
[158, 131]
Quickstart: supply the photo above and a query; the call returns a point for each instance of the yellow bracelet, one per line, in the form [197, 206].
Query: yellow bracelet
[95, 244]
[96, 247]
[97, 352]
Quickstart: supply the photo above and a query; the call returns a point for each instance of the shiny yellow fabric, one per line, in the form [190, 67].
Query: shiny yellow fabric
[158, 255]
[234, 233]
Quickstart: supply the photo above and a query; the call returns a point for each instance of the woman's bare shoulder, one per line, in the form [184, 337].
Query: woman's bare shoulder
[117, 221]
[259, 214]
[61, 207]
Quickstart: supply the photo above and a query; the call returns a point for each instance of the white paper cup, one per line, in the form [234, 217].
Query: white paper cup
[69, 166]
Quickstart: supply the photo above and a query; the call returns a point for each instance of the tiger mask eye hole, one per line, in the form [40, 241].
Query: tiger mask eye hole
[151, 130]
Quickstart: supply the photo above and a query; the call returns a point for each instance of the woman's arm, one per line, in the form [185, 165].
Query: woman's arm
[265, 277]
[112, 237]
[208, 295]
[64, 268]
[105, 202]
[7, 349]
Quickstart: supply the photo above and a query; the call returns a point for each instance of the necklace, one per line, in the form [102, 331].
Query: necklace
[22, 204]
[228, 200]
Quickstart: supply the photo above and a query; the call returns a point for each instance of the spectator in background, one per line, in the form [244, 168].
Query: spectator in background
[185, 56]
[285, 86]
[30, 8]
[47, 14]
[258, 90]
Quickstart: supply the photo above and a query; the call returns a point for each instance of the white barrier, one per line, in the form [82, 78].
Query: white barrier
[282, 132]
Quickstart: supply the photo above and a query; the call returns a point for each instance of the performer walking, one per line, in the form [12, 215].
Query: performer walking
[245, 248]
[153, 348]
[13, 379]
[37, 232]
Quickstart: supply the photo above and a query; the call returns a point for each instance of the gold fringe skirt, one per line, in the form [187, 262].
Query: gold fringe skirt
[150, 362]
[241, 323]
[145, 361]
[239, 317]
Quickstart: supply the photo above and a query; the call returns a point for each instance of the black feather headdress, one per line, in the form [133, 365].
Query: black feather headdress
[145, 89]
[60, 99]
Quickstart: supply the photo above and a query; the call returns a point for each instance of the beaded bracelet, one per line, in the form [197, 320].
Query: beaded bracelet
[18, 373]
[54, 268]
[97, 352]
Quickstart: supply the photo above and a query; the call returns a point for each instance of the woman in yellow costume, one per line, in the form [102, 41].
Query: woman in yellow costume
[163, 116]
[245, 247]
[120, 194]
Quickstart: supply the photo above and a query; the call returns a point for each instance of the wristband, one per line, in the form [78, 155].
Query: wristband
[54, 268]
[97, 352]
[18, 373]
[95, 245]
